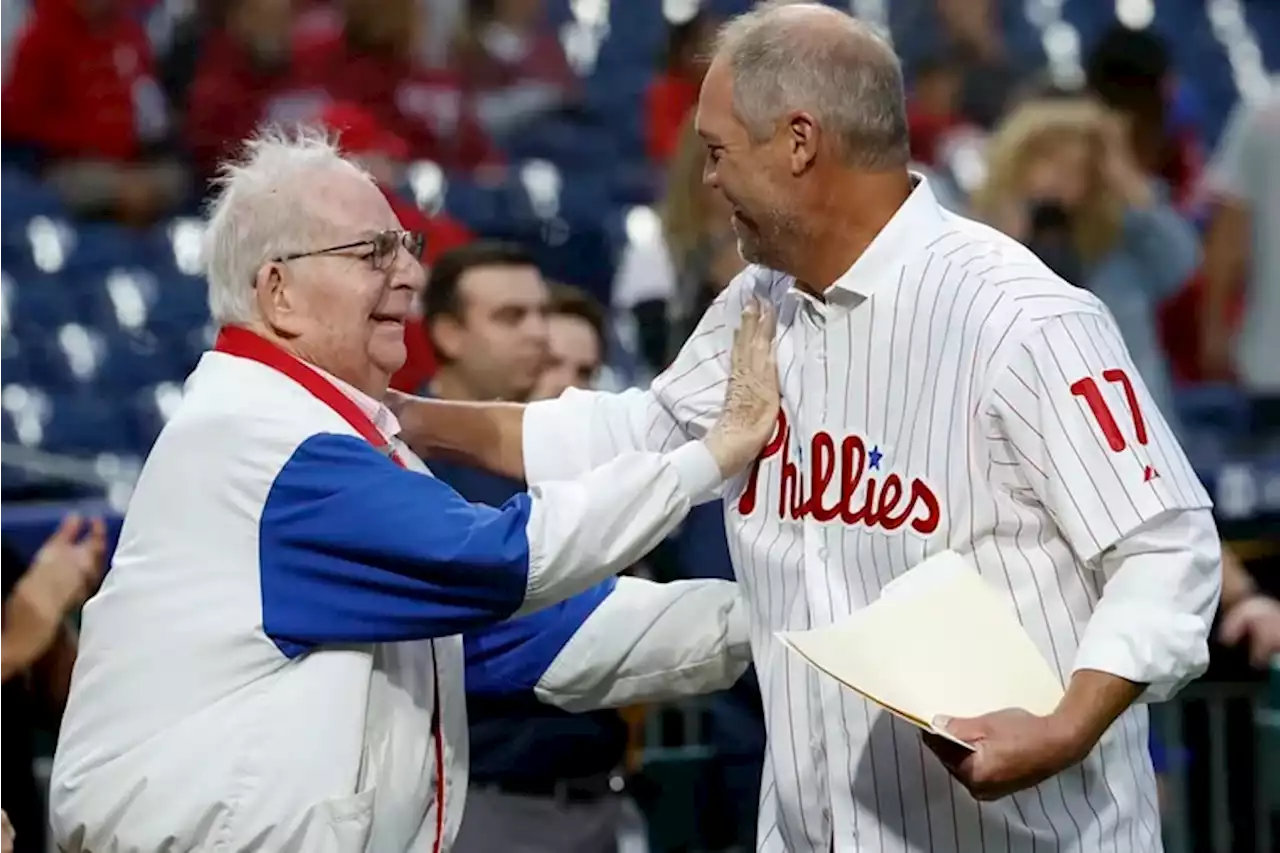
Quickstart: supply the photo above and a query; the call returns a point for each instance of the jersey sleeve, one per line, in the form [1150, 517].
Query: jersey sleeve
[355, 549]
[1089, 441]
[624, 641]
[581, 429]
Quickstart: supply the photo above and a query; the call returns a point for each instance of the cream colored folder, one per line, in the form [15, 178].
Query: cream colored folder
[938, 641]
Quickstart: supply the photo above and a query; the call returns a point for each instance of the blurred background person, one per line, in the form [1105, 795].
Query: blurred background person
[1242, 250]
[541, 779]
[576, 342]
[1063, 180]
[374, 61]
[1131, 72]
[485, 310]
[667, 280]
[246, 76]
[82, 105]
[673, 93]
[508, 55]
[39, 649]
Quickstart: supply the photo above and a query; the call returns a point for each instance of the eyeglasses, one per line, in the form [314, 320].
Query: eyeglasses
[383, 248]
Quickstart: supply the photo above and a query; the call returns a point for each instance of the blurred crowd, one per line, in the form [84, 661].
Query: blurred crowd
[125, 108]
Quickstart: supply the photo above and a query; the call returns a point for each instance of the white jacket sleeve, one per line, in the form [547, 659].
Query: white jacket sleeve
[585, 530]
[651, 642]
[625, 640]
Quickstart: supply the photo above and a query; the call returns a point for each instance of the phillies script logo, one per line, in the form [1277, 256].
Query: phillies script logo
[860, 496]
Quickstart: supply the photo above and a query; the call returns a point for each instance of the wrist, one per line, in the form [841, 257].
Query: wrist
[1092, 702]
[1070, 736]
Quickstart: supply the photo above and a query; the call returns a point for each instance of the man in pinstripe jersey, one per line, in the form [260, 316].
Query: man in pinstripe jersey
[942, 389]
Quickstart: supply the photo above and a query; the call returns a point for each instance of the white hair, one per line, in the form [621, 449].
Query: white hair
[840, 71]
[260, 212]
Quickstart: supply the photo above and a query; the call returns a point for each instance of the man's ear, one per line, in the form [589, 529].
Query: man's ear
[803, 137]
[277, 298]
[446, 333]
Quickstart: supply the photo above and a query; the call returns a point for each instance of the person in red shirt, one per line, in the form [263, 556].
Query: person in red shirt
[246, 77]
[82, 99]
[674, 92]
[372, 63]
[384, 153]
[514, 64]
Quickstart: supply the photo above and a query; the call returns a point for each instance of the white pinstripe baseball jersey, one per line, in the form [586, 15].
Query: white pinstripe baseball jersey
[949, 392]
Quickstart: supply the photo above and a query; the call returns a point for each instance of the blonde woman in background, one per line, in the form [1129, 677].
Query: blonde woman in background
[1062, 179]
[667, 280]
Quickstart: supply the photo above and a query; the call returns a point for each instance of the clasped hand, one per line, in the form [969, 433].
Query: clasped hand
[1013, 750]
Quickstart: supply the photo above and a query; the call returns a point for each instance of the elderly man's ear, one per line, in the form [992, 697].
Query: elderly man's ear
[277, 301]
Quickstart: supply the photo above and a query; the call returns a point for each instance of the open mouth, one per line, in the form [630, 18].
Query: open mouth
[387, 318]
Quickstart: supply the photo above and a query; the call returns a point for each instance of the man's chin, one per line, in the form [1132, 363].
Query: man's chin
[390, 358]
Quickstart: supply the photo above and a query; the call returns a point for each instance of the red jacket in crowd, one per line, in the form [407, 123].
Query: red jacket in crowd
[426, 107]
[81, 88]
[232, 95]
[667, 103]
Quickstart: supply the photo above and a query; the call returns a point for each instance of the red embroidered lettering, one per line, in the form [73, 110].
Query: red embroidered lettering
[888, 501]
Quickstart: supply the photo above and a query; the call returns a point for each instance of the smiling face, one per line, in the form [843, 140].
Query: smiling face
[757, 179]
[336, 310]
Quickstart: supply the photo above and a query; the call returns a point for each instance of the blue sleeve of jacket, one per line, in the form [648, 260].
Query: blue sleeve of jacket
[510, 657]
[355, 549]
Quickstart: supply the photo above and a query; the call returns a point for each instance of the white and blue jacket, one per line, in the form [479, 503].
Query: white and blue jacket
[256, 671]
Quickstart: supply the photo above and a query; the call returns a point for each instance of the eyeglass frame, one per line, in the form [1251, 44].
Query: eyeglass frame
[402, 241]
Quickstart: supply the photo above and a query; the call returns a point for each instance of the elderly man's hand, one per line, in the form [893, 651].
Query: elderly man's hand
[1256, 620]
[1013, 750]
[6, 834]
[751, 400]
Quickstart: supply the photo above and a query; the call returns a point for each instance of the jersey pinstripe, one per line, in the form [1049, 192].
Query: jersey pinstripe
[962, 397]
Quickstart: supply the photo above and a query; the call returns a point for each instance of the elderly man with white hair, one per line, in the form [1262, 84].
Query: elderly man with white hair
[273, 662]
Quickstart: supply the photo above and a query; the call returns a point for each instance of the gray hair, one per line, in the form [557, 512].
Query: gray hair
[259, 212]
[844, 74]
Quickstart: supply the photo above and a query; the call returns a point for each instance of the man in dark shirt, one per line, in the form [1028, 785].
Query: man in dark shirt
[541, 778]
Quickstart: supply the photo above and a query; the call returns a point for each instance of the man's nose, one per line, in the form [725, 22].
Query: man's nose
[408, 272]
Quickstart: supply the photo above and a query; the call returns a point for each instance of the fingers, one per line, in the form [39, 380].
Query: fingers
[969, 729]
[96, 538]
[1233, 627]
[768, 323]
[68, 529]
[952, 755]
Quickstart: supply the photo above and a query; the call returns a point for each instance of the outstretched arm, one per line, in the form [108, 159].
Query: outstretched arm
[622, 642]
[555, 439]
[355, 549]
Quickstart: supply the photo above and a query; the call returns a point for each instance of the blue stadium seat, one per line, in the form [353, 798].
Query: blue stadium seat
[570, 143]
[36, 305]
[79, 358]
[100, 246]
[14, 364]
[85, 425]
[133, 299]
[477, 205]
[23, 196]
[150, 410]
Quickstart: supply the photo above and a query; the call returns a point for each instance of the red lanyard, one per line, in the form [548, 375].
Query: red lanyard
[242, 343]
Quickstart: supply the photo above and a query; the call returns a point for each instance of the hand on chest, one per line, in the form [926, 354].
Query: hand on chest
[870, 429]
[838, 476]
